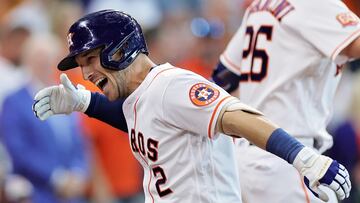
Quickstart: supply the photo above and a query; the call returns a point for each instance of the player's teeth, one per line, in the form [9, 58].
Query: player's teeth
[98, 82]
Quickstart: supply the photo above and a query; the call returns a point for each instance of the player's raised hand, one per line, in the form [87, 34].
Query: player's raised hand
[322, 170]
[61, 99]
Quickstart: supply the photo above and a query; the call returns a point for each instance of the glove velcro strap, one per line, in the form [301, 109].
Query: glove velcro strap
[306, 156]
[311, 164]
[84, 100]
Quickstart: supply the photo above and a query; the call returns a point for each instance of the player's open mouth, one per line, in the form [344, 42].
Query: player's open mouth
[101, 83]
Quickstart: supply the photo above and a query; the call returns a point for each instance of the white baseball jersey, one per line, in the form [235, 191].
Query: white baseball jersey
[287, 55]
[171, 119]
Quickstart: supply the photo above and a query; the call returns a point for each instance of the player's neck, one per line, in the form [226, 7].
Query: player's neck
[140, 68]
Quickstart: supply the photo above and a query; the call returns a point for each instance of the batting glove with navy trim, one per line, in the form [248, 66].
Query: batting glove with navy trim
[61, 99]
[322, 170]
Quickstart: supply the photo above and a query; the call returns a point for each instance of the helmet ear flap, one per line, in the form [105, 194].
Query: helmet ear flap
[119, 56]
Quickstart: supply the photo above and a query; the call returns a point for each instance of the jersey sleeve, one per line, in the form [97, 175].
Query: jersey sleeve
[326, 24]
[232, 55]
[192, 103]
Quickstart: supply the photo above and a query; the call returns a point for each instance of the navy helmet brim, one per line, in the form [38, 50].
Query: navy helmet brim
[67, 63]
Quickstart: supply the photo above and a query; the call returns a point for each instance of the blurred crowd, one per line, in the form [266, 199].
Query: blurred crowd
[79, 159]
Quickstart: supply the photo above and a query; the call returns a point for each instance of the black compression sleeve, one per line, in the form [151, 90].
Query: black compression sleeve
[107, 111]
[226, 79]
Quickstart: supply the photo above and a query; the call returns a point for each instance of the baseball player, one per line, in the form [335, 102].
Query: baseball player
[174, 117]
[288, 56]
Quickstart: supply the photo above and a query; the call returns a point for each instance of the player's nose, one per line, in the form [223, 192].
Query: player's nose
[86, 72]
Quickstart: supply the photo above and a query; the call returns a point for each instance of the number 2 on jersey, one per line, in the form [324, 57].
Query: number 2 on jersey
[256, 53]
[162, 180]
[148, 147]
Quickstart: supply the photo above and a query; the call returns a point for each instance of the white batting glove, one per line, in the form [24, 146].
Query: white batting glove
[61, 99]
[318, 169]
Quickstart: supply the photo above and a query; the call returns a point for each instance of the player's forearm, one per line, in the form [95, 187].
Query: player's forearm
[255, 128]
[261, 132]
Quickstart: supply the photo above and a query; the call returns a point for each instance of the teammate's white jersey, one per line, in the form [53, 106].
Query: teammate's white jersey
[292, 81]
[171, 119]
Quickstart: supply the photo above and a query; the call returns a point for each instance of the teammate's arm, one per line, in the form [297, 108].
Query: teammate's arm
[352, 50]
[315, 168]
[225, 78]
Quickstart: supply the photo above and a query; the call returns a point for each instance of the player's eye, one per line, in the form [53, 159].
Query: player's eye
[90, 59]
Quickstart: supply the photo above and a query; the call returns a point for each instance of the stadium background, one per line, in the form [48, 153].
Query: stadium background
[187, 33]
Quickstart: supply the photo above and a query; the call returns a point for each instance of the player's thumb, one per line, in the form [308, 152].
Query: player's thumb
[322, 195]
[66, 82]
[80, 87]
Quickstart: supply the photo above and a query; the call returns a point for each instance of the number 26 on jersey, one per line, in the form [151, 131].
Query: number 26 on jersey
[255, 57]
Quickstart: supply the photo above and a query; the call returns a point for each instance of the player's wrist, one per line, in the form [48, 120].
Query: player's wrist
[84, 100]
[283, 145]
[305, 157]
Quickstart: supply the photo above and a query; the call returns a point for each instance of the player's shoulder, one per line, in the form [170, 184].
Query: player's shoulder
[284, 7]
[310, 6]
[312, 13]
[186, 88]
[168, 78]
[166, 73]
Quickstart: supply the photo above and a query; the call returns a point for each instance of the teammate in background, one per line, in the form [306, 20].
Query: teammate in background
[174, 117]
[287, 56]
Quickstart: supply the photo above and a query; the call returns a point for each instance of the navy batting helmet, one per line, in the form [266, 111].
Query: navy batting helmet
[110, 29]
